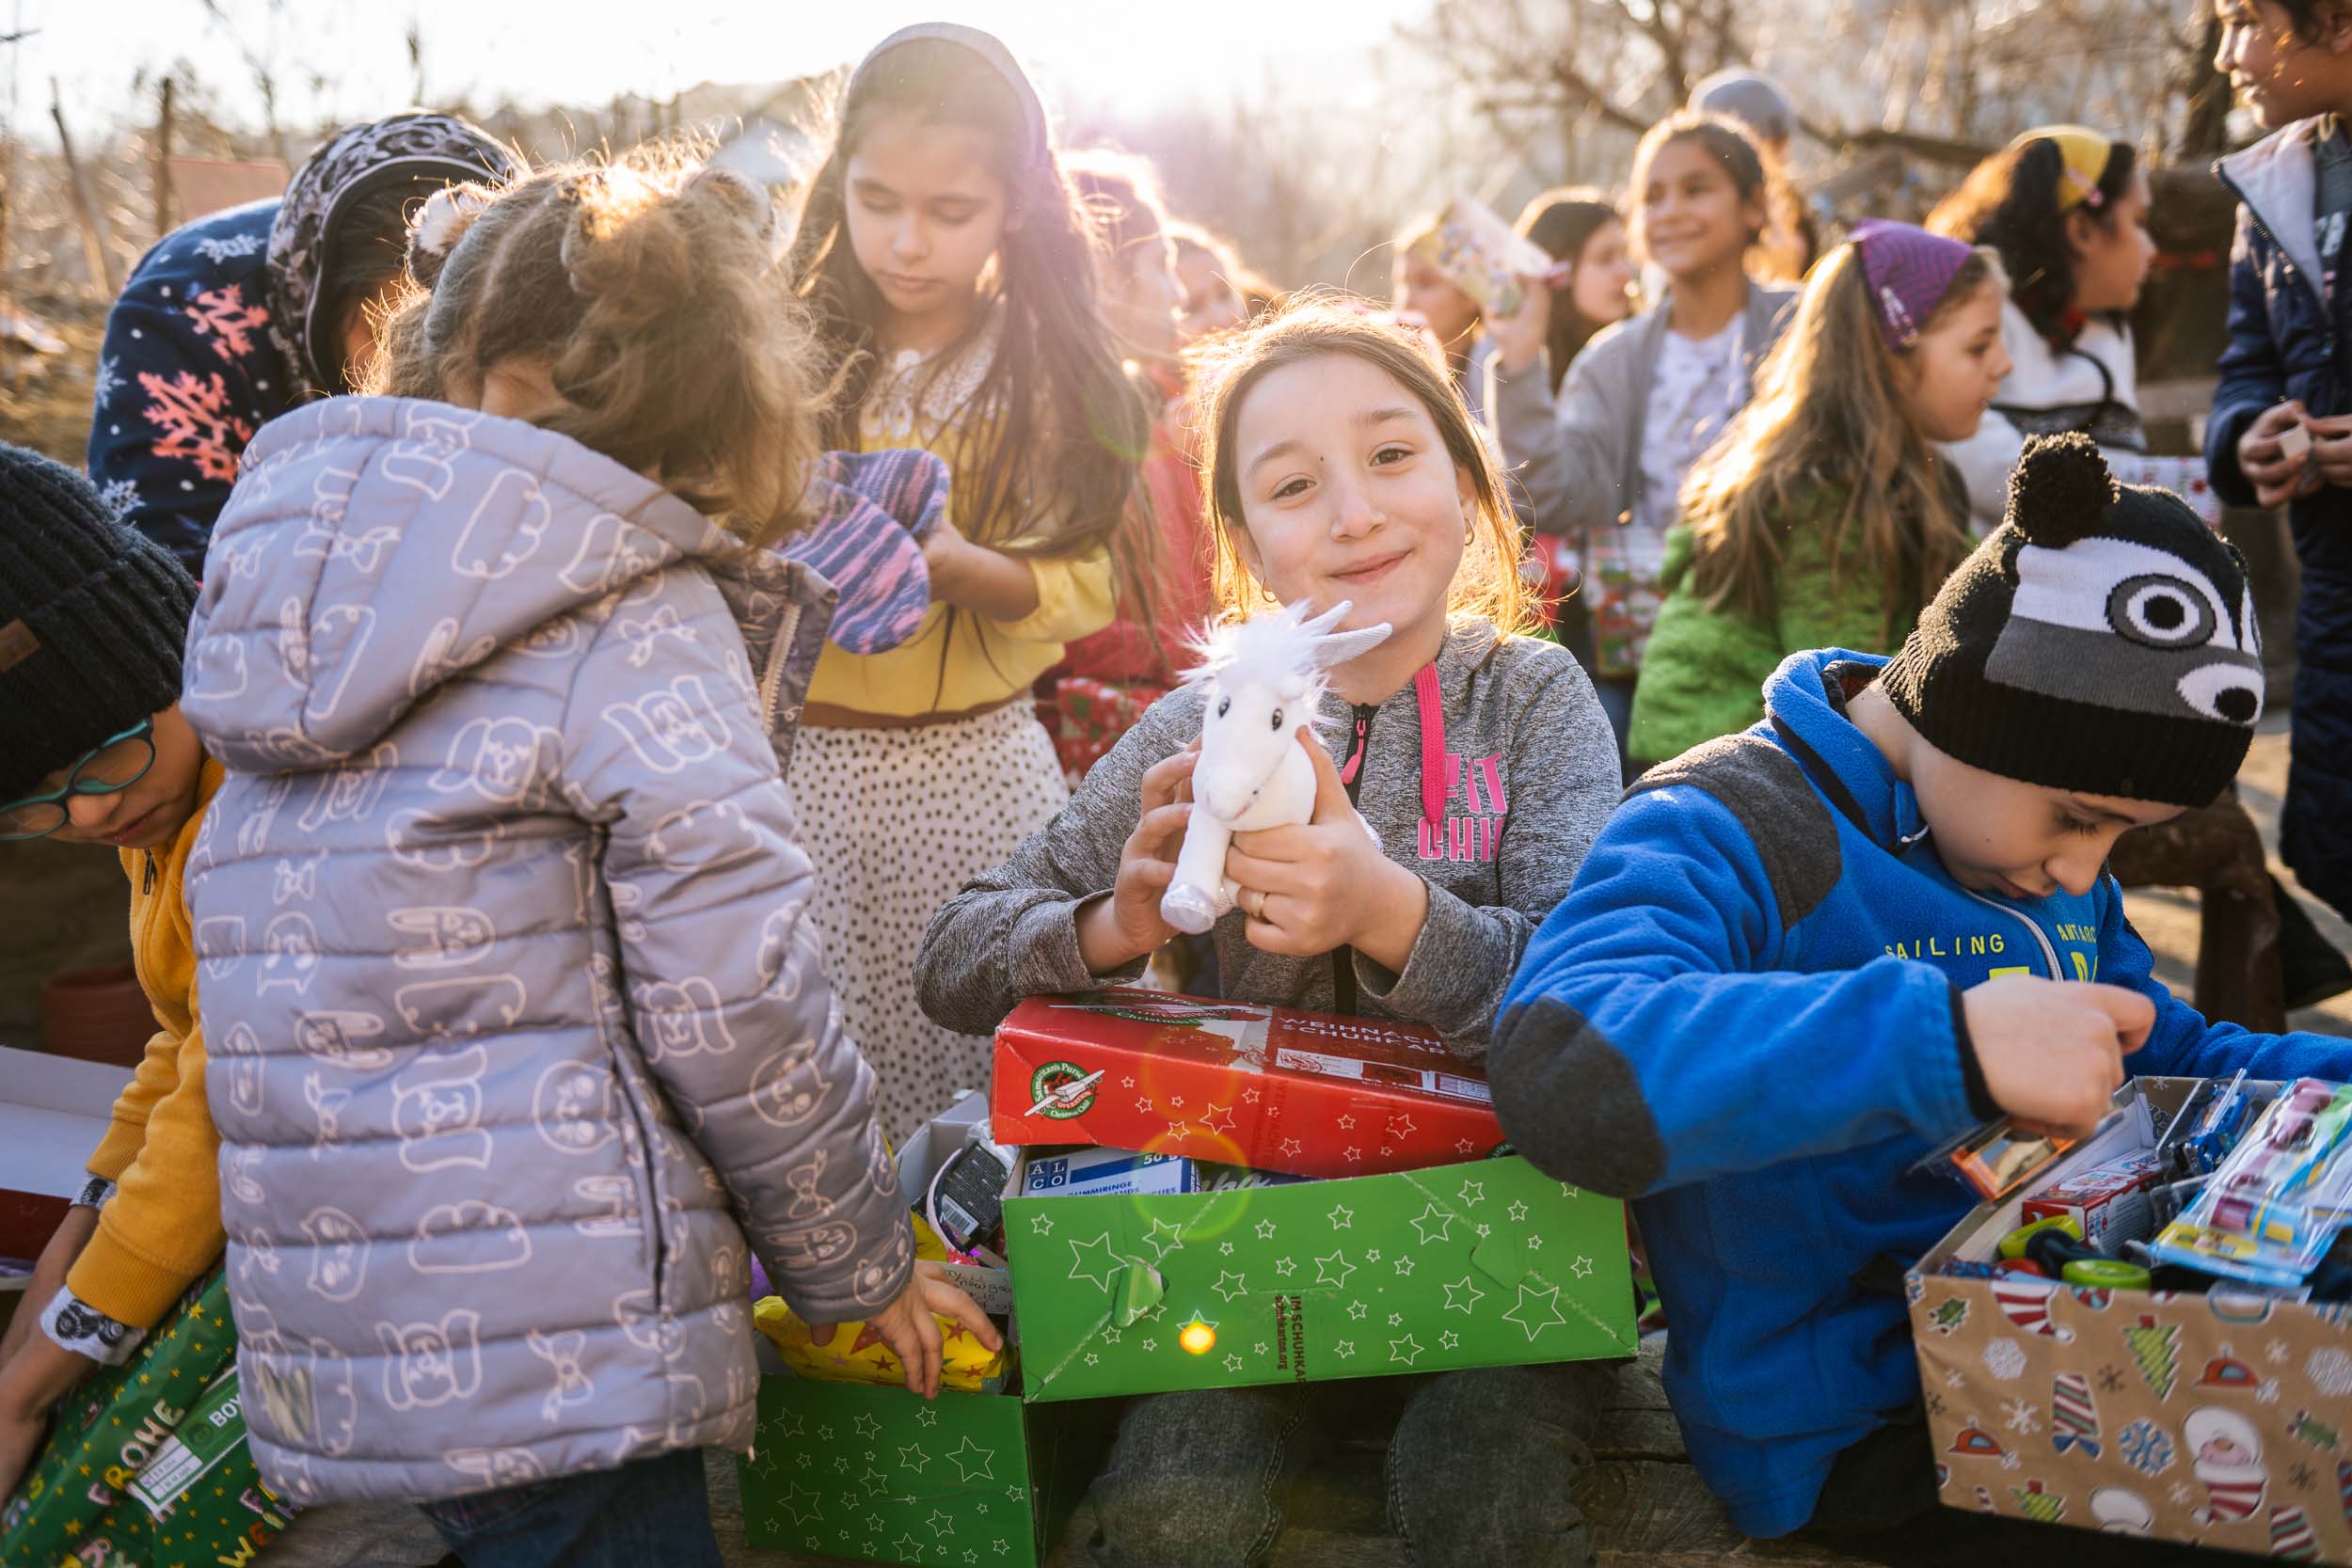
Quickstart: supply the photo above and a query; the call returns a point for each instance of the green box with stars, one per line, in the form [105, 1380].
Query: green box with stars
[855, 1470]
[1486, 1264]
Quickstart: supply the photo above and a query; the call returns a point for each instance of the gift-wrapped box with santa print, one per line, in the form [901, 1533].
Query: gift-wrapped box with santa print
[2218, 1418]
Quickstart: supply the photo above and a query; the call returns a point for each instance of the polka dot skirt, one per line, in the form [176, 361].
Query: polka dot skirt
[897, 821]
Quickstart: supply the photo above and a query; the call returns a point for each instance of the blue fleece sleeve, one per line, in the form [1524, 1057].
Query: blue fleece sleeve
[1652, 1037]
[2183, 1044]
[2252, 376]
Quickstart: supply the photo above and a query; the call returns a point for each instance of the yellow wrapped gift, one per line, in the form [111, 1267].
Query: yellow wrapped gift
[858, 1355]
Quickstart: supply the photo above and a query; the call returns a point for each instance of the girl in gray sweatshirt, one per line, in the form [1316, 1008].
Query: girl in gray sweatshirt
[1341, 465]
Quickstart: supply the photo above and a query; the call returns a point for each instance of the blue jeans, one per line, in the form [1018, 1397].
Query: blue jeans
[1479, 1472]
[650, 1513]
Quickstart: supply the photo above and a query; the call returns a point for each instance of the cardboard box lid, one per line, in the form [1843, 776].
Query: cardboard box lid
[1308, 1094]
[2142, 1110]
[52, 1112]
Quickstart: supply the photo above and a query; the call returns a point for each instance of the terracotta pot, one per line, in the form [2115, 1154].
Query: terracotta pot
[98, 1015]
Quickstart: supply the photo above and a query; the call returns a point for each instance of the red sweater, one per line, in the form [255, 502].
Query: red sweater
[1125, 651]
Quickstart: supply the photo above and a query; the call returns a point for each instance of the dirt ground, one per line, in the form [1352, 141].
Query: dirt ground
[45, 399]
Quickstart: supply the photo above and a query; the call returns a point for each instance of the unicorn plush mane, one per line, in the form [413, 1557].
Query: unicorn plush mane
[1263, 679]
[1281, 651]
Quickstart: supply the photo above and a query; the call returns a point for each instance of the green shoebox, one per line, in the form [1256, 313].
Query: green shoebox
[1486, 1264]
[859, 1471]
[850, 1469]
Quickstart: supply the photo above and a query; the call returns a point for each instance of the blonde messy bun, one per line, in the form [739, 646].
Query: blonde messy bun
[650, 291]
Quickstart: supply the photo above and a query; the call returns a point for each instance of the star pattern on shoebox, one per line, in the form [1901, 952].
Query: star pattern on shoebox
[915, 1506]
[1291, 1269]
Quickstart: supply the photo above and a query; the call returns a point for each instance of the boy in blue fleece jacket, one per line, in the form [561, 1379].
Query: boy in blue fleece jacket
[1800, 958]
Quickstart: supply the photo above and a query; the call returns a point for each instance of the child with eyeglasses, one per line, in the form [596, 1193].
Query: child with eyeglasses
[93, 751]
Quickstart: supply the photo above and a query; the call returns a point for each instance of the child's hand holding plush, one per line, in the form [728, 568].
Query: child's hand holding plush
[2052, 1052]
[1326, 883]
[1127, 926]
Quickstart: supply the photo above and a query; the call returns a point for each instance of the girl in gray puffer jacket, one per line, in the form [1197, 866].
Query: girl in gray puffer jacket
[517, 1030]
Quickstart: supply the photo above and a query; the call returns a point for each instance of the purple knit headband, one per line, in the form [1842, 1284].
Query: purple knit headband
[1908, 269]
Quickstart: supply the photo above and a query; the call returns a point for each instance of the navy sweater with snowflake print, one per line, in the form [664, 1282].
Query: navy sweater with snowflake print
[187, 373]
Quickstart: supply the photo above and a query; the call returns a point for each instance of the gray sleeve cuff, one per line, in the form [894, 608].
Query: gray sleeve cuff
[1452, 980]
[1045, 942]
[1517, 401]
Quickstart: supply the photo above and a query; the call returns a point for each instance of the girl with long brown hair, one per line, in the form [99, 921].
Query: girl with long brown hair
[1342, 467]
[1602, 462]
[1827, 516]
[954, 277]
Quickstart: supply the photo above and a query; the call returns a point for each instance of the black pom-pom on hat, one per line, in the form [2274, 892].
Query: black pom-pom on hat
[2103, 641]
[2061, 489]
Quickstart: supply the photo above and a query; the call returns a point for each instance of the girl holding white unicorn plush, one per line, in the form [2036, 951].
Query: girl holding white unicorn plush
[1459, 768]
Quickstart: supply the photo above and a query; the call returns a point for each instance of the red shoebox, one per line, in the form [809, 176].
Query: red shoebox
[1305, 1094]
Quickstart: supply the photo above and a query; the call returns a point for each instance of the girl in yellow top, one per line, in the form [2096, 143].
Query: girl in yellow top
[952, 279]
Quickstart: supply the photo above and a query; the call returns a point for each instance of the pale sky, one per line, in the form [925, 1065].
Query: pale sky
[585, 52]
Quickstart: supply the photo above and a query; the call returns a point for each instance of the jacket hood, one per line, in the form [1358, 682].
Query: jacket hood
[415, 148]
[378, 547]
[2278, 180]
[1804, 709]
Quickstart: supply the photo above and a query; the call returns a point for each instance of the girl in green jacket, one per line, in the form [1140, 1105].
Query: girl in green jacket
[1826, 517]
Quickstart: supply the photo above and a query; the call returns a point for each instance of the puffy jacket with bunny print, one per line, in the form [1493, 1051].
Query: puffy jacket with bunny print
[518, 1027]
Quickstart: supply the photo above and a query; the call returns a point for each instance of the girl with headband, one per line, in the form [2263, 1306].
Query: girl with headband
[953, 275]
[2066, 209]
[1827, 516]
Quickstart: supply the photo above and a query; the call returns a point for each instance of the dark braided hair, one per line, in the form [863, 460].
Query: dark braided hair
[2011, 202]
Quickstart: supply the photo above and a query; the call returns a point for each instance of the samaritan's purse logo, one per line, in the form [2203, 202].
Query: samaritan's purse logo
[1062, 1091]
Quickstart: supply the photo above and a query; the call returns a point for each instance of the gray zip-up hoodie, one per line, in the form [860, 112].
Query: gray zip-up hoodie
[1578, 457]
[516, 1026]
[1531, 774]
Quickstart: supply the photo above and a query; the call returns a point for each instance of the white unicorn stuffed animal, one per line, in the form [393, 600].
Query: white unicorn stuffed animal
[1263, 678]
